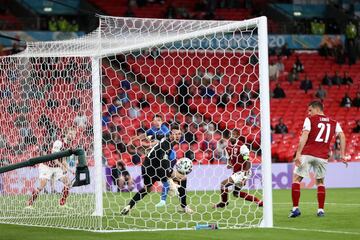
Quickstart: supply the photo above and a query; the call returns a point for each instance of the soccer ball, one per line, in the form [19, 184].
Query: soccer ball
[184, 166]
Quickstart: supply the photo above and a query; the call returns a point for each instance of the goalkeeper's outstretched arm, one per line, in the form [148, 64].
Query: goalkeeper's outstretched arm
[145, 140]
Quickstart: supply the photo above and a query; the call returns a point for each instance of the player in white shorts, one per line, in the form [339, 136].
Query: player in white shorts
[308, 163]
[312, 154]
[55, 170]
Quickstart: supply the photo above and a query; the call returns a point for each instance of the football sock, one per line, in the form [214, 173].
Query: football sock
[224, 195]
[65, 194]
[295, 193]
[165, 190]
[34, 196]
[321, 196]
[138, 196]
[182, 193]
[248, 197]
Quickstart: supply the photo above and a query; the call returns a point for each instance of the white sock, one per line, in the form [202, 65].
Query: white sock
[320, 210]
[294, 208]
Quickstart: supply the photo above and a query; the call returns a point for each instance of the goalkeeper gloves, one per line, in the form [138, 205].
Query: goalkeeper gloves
[173, 188]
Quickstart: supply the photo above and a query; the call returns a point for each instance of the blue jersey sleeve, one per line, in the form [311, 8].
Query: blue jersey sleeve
[172, 155]
[150, 132]
[158, 134]
[165, 130]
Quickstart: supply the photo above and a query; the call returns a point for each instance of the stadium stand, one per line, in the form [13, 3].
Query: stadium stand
[156, 72]
[291, 109]
[8, 21]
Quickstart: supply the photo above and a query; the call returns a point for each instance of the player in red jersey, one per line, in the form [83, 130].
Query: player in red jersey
[56, 169]
[313, 152]
[238, 160]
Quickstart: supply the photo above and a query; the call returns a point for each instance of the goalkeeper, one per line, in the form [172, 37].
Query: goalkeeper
[150, 138]
[237, 155]
[56, 169]
[157, 167]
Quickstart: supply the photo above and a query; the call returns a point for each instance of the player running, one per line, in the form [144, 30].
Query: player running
[312, 152]
[56, 169]
[238, 159]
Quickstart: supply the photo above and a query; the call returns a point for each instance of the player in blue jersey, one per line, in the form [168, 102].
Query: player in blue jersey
[157, 131]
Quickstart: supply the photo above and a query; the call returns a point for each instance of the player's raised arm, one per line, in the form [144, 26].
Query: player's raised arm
[146, 139]
[140, 137]
[148, 143]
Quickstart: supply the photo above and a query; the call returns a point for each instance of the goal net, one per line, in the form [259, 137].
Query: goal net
[119, 89]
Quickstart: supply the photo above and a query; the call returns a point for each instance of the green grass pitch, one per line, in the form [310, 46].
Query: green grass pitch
[342, 221]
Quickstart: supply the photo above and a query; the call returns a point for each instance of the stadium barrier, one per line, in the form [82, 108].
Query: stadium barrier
[337, 176]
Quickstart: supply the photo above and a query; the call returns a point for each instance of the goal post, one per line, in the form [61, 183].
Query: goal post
[265, 122]
[96, 101]
[209, 77]
[45, 97]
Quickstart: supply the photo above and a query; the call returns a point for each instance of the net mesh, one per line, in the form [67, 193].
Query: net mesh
[41, 98]
[203, 75]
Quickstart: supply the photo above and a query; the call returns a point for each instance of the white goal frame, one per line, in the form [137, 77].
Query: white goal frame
[96, 46]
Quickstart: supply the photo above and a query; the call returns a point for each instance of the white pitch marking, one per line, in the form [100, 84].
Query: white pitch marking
[318, 230]
[315, 203]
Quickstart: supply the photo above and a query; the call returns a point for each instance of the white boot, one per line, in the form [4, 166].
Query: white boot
[162, 203]
[187, 210]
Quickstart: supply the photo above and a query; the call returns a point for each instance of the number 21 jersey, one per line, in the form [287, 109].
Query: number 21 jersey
[321, 130]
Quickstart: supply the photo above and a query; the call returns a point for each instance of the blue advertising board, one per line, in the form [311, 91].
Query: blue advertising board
[306, 42]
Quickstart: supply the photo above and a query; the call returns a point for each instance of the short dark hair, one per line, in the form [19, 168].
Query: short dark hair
[175, 127]
[158, 116]
[236, 131]
[317, 104]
